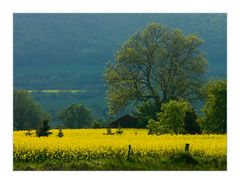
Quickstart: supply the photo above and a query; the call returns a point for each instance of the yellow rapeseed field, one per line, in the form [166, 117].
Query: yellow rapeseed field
[93, 144]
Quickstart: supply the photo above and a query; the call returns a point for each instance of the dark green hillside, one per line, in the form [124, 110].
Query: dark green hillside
[70, 51]
[53, 46]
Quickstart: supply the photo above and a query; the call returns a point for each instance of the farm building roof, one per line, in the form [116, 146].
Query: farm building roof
[126, 121]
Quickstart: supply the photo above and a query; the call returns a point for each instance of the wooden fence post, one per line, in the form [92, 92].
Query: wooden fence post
[129, 152]
[187, 147]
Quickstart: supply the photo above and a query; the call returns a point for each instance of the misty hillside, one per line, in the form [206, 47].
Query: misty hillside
[70, 50]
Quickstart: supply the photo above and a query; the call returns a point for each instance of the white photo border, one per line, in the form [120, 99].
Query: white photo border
[9, 7]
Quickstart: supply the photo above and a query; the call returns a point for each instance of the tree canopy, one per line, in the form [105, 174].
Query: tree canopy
[215, 107]
[76, 116]
[176, 117]
[159, 64]
[27, 112]
[144, 112]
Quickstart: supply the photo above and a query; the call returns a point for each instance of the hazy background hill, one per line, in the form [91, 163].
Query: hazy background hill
[69, 51]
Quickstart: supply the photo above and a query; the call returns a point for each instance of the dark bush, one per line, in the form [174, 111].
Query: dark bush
[96, 125]
[190, 122]
[43, 129]
[60, 133]
[119, 131]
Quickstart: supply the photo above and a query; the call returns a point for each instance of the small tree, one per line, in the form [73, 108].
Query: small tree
[176, 116]
[172, 116]
[60, 133]
[109, 131]
[43, 129]
[154, 127]
[215, 107]
[76, 116]
[96, 125]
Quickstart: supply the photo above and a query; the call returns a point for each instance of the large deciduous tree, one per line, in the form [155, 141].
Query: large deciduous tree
[157, 64]
[27, 113]
[215, 107]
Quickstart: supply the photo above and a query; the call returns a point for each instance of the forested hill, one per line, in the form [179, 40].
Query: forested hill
[70, 50]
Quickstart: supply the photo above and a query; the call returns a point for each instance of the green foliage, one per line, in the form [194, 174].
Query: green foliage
[174, 161]
[215, 107]
[43, 60]
[109, 131]
[155, 127]
[176, 117]
[96, 124]
[27, 112]
[92, 98]
[159, 64]
[191, 124]
[76, 116]
[119, 131]
[146, 111]
[28, 133]
[43, 129]
[173, 114]
[60, 133]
